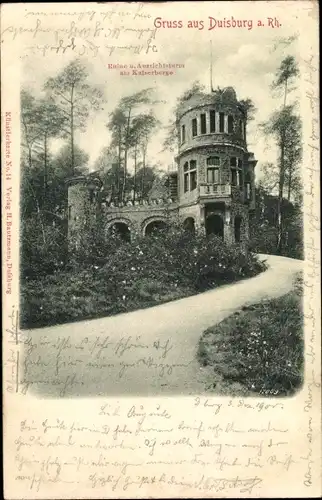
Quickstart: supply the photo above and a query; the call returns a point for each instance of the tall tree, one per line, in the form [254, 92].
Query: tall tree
[29, 126]
[142, 128]
[120, 125]
[75, 98]
[50, 122]
[40, 121]
[278, 126]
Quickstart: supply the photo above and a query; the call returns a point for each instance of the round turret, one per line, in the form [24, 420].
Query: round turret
[207, 119]
[82, 204]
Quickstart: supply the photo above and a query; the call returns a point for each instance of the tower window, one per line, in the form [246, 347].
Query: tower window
[194, 127]
[213, 160]
[185, 177]
[233, 177]
[221, 122]
[193, 180]
[230, 124]
[190, 176]
[213, 175]
[69, 212]
[212, 121]
[213, 163]
[236, 171]
[203, 125]
[183, 133]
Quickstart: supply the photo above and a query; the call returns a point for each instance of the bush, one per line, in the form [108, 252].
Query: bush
[43, 249]
[124, 276]
[260, 347]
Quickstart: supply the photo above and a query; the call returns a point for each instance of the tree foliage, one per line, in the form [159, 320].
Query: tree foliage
[284, 126]
[131, 133]
[75, 99]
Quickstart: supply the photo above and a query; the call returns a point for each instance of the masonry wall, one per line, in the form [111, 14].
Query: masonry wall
[138, 217]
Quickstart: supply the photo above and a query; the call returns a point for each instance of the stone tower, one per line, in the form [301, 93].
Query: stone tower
[215, 170]
[83, 194]
[212, 189]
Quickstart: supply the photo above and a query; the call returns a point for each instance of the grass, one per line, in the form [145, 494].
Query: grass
[260, 349]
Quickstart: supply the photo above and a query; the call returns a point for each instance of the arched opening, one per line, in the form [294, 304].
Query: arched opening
[155, 227]
[189, 225]
[238, 223]
[215, 225]
[121, 230]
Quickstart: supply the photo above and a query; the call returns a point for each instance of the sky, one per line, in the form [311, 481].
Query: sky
[241, 59]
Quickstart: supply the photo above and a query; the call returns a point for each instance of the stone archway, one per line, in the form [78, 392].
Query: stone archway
[215, 225]
[189, 225]
[120, 229]
[154, 227]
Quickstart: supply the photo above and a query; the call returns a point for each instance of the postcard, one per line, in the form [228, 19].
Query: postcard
[161, 250]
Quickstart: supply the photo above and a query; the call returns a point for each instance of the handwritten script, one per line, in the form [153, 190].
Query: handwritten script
[147, 437]
[113, 30]
[312, 245]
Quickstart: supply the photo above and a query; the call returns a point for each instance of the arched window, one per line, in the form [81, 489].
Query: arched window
[193, 175]
[212, 121]
[213, 174]
[236, 171]
[194, 127]
[183, 133]
[203, 124]
[189, 176]
[185, 177]
[221, 122]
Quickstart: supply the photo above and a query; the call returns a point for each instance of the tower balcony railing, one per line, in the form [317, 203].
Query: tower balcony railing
[212, 190]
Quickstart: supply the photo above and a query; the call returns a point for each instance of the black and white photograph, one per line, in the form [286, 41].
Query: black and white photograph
[161, 255]
[167, 190]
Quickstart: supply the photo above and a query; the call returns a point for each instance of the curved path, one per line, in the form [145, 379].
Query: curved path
[145, 352]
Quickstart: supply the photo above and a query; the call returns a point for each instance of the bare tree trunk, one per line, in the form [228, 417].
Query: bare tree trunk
[135, 169]
[289, 186]
[119, 166]
[45, 169]
[72, 130]
[39, 214]
[143, 168]
[280, 197]
[281, 186]
[125, 154]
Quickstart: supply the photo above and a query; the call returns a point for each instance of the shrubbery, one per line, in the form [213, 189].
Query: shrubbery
[260, 347]
[43, 249]
[118, 276]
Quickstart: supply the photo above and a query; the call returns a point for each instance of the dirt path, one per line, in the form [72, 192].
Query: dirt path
[145, 352]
